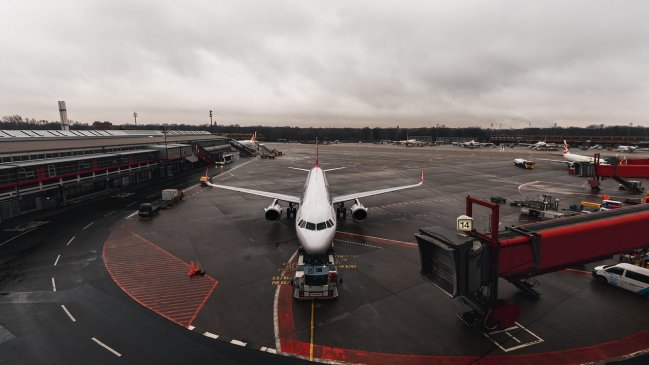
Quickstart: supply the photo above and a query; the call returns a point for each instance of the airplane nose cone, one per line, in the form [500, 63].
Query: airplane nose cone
[315, 242]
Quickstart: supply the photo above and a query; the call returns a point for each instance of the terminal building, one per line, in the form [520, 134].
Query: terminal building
[42, 169]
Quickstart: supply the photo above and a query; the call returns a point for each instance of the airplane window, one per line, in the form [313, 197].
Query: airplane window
[310, 226]
[329, 224]
[302, 224]
[322, 225]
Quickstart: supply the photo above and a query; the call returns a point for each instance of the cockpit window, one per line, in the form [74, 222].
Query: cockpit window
[310, 226]
[322, 225]
[330, 224]
[302, 224]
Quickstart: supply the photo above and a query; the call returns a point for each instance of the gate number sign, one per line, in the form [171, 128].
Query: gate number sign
[464, 223]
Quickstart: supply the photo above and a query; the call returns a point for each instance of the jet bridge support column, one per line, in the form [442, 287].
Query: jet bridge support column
[467, 267]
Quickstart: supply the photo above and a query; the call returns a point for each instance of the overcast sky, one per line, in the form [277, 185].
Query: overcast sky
[328, 63]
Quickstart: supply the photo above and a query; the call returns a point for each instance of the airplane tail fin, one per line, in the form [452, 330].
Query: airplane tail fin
[254, 137]
[565, 147]
[317, 157]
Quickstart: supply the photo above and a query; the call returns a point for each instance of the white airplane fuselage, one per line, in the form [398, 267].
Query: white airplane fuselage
[572, 157]
[316, 210]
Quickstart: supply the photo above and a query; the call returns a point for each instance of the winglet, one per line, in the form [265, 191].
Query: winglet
[254, 137]
[421, 177]
[565, 147]
[316, 153]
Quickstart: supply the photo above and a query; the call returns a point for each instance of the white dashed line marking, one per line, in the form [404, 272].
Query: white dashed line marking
[57, 260]
[68, 313]
[109, 213]
[53, 285]
[190, 327]
[210, 335]
[70, 241]
[89, 224]
[106, 347]
[238, 343]
[132, 214]
[128, 205]
[357, 243]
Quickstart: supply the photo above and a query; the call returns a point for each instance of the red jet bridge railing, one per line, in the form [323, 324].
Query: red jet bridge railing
[469, 268]
[632, 167]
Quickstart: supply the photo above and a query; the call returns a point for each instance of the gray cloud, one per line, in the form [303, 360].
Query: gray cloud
[329, 63]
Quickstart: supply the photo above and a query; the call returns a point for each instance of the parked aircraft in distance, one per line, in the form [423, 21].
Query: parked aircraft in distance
[626, 148]
[471, 144]
[526, 164]
[252, 142]
[573, 157]
[541, 146]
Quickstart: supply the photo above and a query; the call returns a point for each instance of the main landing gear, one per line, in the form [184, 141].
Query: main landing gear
[291, 211]
[341, 212]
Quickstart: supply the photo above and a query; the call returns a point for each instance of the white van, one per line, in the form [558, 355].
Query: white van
[626, 276]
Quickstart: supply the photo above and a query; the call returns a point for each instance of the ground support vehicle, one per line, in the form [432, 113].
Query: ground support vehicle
[148, 210]
[316, 276]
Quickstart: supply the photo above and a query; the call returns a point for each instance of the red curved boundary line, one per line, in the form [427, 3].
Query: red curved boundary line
[290, 344]
[112, 276]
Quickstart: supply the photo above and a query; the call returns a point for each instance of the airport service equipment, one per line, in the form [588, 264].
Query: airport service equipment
[316, 276]
[148, 210]
[172, 195]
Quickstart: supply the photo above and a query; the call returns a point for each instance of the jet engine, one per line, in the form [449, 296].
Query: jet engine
[359, 212]
[274, 212]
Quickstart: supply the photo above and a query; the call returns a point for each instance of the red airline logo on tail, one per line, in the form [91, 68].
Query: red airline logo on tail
[565, 147]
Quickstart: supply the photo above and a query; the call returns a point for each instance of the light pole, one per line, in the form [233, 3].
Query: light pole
[211, 130]
[164, 132]
[135, 117]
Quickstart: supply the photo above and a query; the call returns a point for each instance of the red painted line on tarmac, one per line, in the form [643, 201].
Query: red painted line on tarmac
[603, 351]
[203, 302]
[593, 353]
[154, 277]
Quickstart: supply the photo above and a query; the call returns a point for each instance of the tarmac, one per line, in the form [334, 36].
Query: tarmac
[386, 313]
[132, 273]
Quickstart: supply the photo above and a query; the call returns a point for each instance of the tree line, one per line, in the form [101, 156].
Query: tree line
[365, 134]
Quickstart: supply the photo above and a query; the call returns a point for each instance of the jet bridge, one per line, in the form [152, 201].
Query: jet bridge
[470, 266]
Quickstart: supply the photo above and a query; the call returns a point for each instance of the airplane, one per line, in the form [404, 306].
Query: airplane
[410, 142]
[573, 157]
[526, 164]
[315, 215]
[541, 146]
[626, 148]
[570, 158]
[252, 142]
[471, 144]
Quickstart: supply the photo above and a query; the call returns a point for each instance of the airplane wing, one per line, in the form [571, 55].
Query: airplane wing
[267, 194]
[346, 197]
